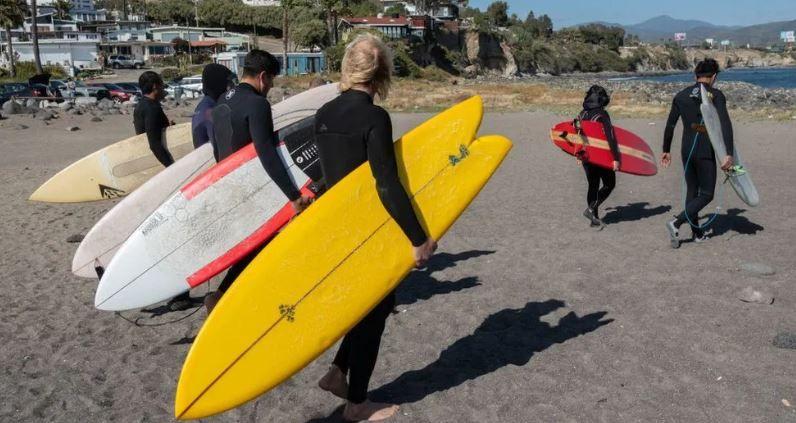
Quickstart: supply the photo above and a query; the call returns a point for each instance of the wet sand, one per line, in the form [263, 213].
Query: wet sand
[526, 315]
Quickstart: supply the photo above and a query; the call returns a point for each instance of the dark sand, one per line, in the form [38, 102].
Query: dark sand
[526, 315]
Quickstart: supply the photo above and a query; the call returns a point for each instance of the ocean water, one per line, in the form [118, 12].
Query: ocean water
[764, 77]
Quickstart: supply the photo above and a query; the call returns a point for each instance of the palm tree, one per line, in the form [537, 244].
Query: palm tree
[34, 29]
[12, 15]
[62, 8]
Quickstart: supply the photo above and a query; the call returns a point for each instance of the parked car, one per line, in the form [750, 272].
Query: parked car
[83, 90]
[58, 87]
[191, 86]
[9, 90]
[118, 93]
[119, 61]
[131, 87]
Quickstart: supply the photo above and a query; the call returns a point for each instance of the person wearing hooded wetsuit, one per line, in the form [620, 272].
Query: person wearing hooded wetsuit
[216, 80]
[594, 110]
[242, 116]
[699, 159]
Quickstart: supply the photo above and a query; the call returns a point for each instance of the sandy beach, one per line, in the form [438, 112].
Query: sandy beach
[525, 315]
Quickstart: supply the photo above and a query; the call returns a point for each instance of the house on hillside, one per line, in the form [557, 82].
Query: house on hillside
[444, 11]
[231, 39]
[81, 11]
[415, 28]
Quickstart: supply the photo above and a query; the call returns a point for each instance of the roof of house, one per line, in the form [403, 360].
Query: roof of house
[208, 43]
[376, 21]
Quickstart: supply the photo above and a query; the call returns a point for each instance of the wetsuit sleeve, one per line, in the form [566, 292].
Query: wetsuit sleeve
[155, 122]
[381, 155]
[261, 128]
[671, 123]
[726, 125]
[608, 128]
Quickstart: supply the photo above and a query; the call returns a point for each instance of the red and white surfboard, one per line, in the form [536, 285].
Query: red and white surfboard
[591, 145]
[209, 225]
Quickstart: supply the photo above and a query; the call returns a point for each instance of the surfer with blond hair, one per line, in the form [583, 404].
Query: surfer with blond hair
[350, 131]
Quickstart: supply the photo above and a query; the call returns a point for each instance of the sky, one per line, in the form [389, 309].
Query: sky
[628, 12]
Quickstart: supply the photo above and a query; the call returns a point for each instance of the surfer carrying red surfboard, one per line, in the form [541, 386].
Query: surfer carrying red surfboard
[242, 116]
[697, 153]
[594, 105]
[349, 131]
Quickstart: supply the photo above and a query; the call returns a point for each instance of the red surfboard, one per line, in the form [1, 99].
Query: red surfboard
[591, 145]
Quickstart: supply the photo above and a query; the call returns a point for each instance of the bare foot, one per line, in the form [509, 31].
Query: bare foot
[334, 381]
[369, 411]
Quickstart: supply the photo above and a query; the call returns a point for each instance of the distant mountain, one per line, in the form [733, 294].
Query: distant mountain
[664, 27]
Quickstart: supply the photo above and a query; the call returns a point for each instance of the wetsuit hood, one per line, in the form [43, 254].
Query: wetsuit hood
[215, 80]
[596, 98]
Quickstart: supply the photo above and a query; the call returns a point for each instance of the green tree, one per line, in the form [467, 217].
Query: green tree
[397, 9]
[34, 29]
[62, 8]
[332, 9]
[171, 11]
[311, 33]
[12, 15]
[498, 13]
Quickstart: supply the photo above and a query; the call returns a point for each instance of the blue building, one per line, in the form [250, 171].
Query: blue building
[298, 63]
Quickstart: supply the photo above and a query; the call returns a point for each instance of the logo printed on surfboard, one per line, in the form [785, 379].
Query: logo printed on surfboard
[463, 153]
[288, 311]
[110, 192]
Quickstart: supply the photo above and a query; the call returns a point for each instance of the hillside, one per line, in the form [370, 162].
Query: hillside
[664, 27]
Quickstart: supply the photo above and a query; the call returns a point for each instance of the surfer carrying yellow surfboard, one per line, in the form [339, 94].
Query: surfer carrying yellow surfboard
[349, 131]
[697, 153]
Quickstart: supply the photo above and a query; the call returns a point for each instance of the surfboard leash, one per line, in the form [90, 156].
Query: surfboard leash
[685, 189]
[152, 325]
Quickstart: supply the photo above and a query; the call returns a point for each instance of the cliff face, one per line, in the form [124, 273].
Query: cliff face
[741, 58]
[487, 54]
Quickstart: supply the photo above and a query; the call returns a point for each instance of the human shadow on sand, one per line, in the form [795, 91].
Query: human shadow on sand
[633, 212]
[420, 285]
[733, 221]
[510, 336]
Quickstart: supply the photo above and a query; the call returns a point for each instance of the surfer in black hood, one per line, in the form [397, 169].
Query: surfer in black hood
[696, 151]
[216, 80]
[594, 105]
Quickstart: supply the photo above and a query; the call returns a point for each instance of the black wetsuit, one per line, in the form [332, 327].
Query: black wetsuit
[148, 117]
[240, 117]
[700, 171]
[349, 131]
[594, 174]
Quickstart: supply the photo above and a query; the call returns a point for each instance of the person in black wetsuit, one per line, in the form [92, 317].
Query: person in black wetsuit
[242, 116]
[216, 80]
[349, 131]
[594, 110]
[148, 117]
[699, 159]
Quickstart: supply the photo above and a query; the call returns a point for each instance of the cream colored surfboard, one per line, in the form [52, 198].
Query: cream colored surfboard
[113, 171]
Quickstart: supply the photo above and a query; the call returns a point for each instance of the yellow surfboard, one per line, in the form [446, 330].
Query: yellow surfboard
[292, 303]
[113, 171]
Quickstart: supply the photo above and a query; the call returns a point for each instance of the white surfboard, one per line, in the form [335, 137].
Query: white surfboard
[109, 233]
[738, 177]
[207, 225]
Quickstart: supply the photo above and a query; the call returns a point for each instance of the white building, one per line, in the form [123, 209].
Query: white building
[81, 54]
[232, 40]
[262, 2]
[82, 10]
